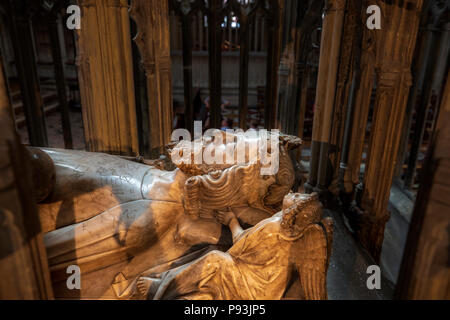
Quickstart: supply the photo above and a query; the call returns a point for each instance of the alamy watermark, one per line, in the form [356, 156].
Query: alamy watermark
[374, 20]
[74, 19]
[74, 280]
[374, 280]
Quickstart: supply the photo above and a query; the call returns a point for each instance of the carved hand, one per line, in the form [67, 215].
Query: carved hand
[225, 217]
[229, 219]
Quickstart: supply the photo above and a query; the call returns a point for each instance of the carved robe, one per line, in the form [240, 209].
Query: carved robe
[257, 267]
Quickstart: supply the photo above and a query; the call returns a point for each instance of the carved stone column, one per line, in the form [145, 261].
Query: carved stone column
[349, 56]
[153, 41]
[244, 36]
[292, 68]
[19, 16]
[23, 260]
[361, 110]
[395, 44]
[186, 10]
[424, 273]
[5, 102]
[430, 102]
[310, 20]
[433, 16]
[58, 47]
[214, 14]
[420, 71]
[325, 93]
[105, 74]
[275, 35]
[445, 104]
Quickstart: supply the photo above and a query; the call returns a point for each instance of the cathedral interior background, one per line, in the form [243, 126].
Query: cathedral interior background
[86, 121]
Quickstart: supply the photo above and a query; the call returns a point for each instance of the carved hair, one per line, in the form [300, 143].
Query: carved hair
[218, 190]
[300, 215]
[216, 187]
[284, 182]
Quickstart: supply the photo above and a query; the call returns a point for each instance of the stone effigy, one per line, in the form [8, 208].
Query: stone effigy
[116, 218]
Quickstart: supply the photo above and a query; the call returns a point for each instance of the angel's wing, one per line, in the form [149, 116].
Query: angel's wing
[315, 250]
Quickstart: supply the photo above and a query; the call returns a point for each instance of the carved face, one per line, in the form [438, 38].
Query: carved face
[300, 211]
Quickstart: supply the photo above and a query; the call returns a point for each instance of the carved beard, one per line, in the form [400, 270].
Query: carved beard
[217, 187]
[283, 185]
[219, 190]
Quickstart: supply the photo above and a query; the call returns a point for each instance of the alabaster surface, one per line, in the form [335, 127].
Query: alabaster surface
[263, 263]
[121, 221]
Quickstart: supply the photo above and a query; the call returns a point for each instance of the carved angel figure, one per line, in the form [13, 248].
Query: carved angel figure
[262, 261]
